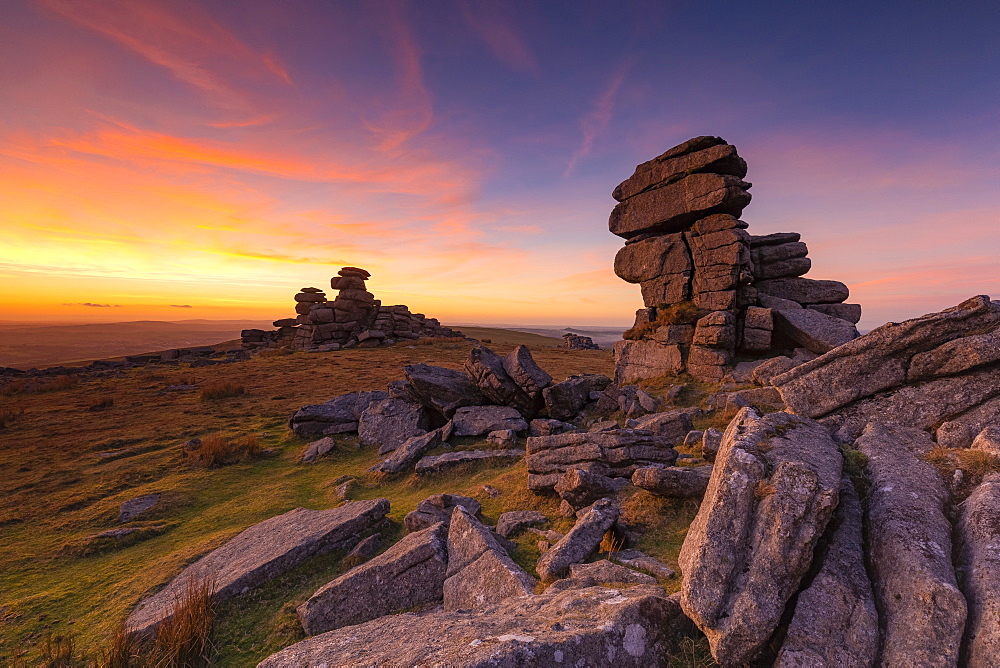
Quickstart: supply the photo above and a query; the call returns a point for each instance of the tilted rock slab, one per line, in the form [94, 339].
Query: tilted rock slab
[440, 389]
[615, 454]
[682, 482]
[409, 573]
[909, 546]
[438, 463]
[390, 422]
[486, 369]
[339, 415]
[439, 508]
[835, 622]
[979, 570]
[596, 626]
[581, 541]
[260, 553]
[814, 330]
[773, 490]
[479, 420]
[411, 450]
[480, 572]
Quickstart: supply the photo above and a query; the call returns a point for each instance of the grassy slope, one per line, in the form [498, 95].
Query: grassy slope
[56, 490]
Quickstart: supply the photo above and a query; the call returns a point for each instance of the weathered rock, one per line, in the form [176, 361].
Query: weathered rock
[693, 438]
[652, 258]
[643, 562]
[772, 368]
[410, 573]
[772, 492]
[635, 401]
[683, 482]
[988, 440]
[390, 422]
[504, 438]
[636, 360]
[438, 463]
[442, 390]
[438, 508]
[805, 290]
[719, 158]
[673, 207]
[909, 547]
[710, 443]
[521, 367]
[581, 541]
[614, 454]
[879, 360]
[606, 572]
[564, 400]
[337, 416]
[581, 488]
[775, 239]
[486, 369]
[365, 549]
[835, 622]
[318, 449]
[954, 435]
[513, 521]
[604, 425]
[407, 454]
[546, 427]
[849, 312]
[479, 420]
[480, 572]
[670, 425]
[262, 552]
[633, 628]
[811, 329]
[135, 507]
[978, 534]
[782, 268]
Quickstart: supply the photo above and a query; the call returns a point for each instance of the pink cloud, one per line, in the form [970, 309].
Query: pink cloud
[596, 121]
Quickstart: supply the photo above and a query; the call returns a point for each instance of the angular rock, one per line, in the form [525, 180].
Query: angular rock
[409, 451]
[710, 443]
[643, 562]
[719, 158]
[546, 427]
[438, 508]
[438, 463]
[318, 449]
[480, 572]
[581, 541]
[813, 330]
[521, 367]
[486, 369]
[805, 290]
[777, 303]
[135, 507]
[636, 360]
[262, 552]
[978, 534]
[670, 425]
[633, 628]
[849, 312]
[635, 401]
[772, 368]
[674, 207]
[614, 454]
[682, 482]
[564, 400]
[390, 422]
[954, 435]
[606, 572]
[649, 259]
[504, 438]
[440, 389]
[909, 546]
[956, 356]
[337, 416]
[988, 440]
[581, 488]
[410, 573]
[480, 420]
[513, 521]
[772, 492]
[835, 622]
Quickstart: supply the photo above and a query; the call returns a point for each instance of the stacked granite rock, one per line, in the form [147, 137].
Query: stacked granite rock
[578, 342]
[353, 318]
[711, 290]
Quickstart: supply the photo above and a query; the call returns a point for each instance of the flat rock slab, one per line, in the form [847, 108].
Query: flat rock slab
[132, 508]
[581, 541]
[681, 482]
[480, 420]
[773, 489]
[805, 290]
[339, 415]
[979, 567]
[411, 450]
[438, 463]
[390, 422]
[410, 573]
[910, 550]
[813, 330]
[441, 390]
[262, 552]
[318, 449]
[643, 562]
[597, 626]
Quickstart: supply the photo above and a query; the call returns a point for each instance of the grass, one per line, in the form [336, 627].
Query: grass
[10, 413]
[101, 404]
[222, 390]
[974, 465]
[218, 450]
[681, 313]
[39, 385]
[58, 491]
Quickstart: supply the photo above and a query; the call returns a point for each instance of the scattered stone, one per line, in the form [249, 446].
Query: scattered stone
[954, 435]
[438, 508]
[988, 440]
[978, 534]
[693, 438]
[922, 612]
[438, 463]
[365, 549]
[441, 390]
[512, 522]
[411, 450]
[673, 425]
[114, 539]
[544, 427]
[135, 507]
[682, 482]
[480, 572]
[260, 553]
[339, 415]
[491, 491]
[581, 488]
[318, 449]
[410, 573]
[635, 401]
[505, 438]
[480, 420]
[772, 492]
[566, 399]
[710, 443]
[390, 422]
[643, 562]
[582, 540]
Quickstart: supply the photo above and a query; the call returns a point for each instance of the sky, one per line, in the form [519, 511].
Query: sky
[173, 159]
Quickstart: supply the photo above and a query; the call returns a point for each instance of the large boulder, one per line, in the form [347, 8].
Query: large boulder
[566, 399]
[441, 390]
[772, 492]
[633, 628]
[339, 415]
[805, 290]
[581, 541]
[480, 420]
[672, 426]
[438, 508]
[480, 572]
[910, 550]
[521, 367]
[682, 482]
[813, 330]
[609, 453]
[486, 369]
[410, 573]
[835, 622]
[636, 360]
[260, 553]
[979, 569]
[390, 422]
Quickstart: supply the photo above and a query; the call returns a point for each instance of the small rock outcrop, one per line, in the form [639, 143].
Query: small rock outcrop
[438, 508]
[682, 482]
[581, 541]
[481, 420]
[711, 289]
[390, 422]
[339, 415]
[579, 342]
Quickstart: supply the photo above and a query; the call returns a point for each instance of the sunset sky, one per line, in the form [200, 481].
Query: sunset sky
[171, 160]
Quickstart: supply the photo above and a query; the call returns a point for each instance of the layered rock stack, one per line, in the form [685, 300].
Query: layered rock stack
[578, 342]
[353, 318]
[711, 290]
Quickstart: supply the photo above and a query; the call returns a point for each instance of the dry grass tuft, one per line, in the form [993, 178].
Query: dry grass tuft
[682, 313]
[101, 404]
[124, 650]
[764, 489]
[38, 385]
[218, 450]
[10, 413]
[692, 653]
[226, 390]
[276, 352]
[185, 638]
[431, 340]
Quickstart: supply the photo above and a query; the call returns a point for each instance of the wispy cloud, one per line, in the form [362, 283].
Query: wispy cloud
[95, 305]
[181, 306]
[495, 27]
[595, 122]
